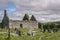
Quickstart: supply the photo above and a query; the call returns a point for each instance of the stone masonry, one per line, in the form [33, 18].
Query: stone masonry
[18, 23]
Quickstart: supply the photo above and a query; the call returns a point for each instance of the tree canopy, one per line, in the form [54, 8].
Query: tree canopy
[39, 25]
[26, 17]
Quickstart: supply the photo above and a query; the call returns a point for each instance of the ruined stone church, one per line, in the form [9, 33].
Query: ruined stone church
[19, 23]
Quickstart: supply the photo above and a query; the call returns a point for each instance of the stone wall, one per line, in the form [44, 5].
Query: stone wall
[24, 24]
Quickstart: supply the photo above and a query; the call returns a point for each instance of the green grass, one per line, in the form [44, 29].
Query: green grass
[44, 36]
[3, 30]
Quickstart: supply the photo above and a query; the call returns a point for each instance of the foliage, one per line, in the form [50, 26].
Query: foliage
[39, 25]
[53, 25]
[50, 25]
[39, 35]
[26, 17]
[2, 24]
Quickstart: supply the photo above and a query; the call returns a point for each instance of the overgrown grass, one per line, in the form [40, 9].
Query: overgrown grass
[3, 30]
[39, 34]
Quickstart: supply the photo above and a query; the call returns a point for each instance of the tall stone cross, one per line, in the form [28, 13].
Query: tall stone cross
[6, 23]
[6, 19]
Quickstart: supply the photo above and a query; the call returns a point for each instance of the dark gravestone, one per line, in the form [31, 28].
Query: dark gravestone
[19, 33]
[15, 29]
[55, 30]
[49, 30]
[44, 30]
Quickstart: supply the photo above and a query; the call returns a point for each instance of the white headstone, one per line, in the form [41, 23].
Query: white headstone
[30, 30]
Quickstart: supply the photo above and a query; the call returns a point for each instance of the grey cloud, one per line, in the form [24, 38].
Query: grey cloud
[37, 5]
[46, 9]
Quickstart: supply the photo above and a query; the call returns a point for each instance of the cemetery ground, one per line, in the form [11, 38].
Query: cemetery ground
[38, 35]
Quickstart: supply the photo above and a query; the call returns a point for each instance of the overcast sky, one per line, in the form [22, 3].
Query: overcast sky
[43, 10]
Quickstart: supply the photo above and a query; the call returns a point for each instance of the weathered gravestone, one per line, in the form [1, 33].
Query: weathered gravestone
[34, 33]
[18, 32]
[30, 33]
[55, 30]
[15, 30]
[43, 29]
[49, 30]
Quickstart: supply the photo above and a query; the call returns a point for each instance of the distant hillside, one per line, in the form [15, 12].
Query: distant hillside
[58, 22]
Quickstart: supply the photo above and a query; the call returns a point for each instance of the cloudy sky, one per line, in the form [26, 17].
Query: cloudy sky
[43, 10]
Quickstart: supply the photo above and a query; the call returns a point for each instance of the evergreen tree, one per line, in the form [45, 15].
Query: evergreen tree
[26, 17]
[39, 25]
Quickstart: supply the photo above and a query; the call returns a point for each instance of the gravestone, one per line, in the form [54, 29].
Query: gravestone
[15, 30]
[30, 33]
[49, 30]
[55, 30]
[34, 33]
[43, 29]
[18, 32]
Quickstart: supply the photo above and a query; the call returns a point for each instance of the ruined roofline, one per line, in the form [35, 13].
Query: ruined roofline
[33, 18]
[21, 21]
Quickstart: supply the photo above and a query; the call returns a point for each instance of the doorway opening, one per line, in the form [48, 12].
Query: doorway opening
[21, 26]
